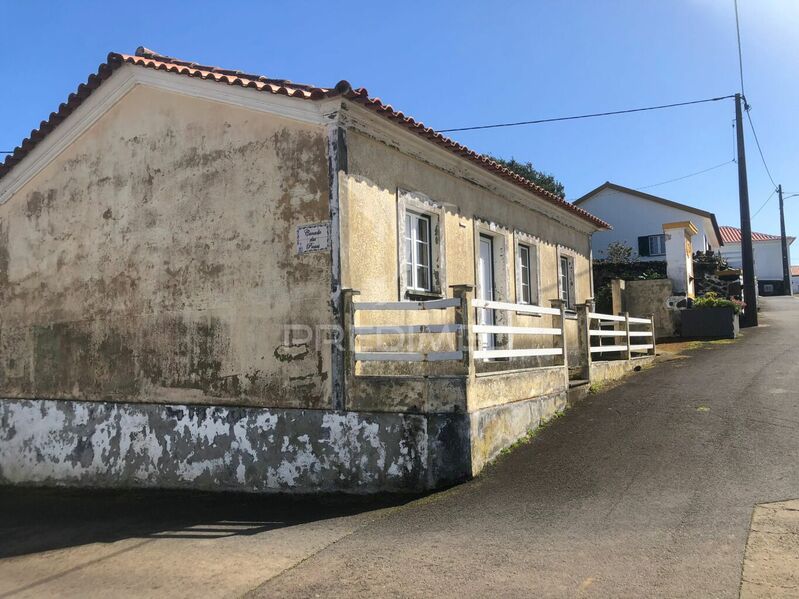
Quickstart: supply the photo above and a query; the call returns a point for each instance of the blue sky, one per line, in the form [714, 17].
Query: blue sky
[452, 64]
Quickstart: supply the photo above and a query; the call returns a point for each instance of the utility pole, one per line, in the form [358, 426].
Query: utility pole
[747, 254]
[786, 268]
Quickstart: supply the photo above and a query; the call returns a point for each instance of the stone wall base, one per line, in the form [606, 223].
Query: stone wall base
[123, 445]
[495, 428]
[610, 370]
[92, 444]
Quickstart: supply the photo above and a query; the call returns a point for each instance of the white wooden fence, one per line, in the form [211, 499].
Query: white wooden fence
[625, 338]
[557, 348]
[489, 354]
[406, 356]
[628, 343]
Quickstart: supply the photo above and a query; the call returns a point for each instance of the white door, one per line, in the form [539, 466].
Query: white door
[485, 289]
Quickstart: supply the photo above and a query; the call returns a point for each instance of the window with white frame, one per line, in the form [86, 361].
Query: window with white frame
[657, 245]
[524, 274]
[418, 252]
[567, 293]
[652, 245]
[527, 273]
[420, 246]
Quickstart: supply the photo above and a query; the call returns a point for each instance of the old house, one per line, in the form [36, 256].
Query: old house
[215, 279]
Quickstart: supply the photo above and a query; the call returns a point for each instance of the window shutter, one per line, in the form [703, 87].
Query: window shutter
[643, 245]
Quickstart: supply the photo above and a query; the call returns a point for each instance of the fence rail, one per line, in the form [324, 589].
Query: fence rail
[405, 356]
[439, 304]
[521, 308]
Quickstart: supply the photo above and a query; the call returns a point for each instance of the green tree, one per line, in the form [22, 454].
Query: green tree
[526, 170]
[619, 252]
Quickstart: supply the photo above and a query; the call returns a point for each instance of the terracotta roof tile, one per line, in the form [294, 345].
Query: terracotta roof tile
[149, 59]
[795, 271]
[733, 235]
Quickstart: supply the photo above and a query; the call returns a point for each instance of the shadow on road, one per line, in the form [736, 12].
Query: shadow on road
[33, 520]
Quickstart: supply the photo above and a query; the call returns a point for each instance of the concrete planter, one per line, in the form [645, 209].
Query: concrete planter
[719, 323]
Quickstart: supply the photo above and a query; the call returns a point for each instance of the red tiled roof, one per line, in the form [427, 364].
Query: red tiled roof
[795, 271]
[149, 59]
[733, 235]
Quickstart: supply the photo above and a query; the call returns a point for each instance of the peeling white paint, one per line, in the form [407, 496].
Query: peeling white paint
[107, 444]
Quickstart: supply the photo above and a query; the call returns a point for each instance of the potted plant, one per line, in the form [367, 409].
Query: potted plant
[712, 316]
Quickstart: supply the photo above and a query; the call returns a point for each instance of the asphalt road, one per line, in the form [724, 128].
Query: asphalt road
[643, 490]
[646, 490]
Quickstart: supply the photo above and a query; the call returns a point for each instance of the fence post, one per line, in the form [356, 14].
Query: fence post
[652, 328]
[618, 296]
[629, 354]
[584, 338]
[560, 322]
[347, 297]
[463, 317]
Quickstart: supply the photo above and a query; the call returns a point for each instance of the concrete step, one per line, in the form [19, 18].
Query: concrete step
[578, 391]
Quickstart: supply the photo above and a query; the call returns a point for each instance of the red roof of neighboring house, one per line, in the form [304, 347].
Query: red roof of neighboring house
[795, 271]
[733, 235]
[149, 59]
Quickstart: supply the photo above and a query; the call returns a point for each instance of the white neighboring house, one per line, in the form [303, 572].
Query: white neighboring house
[768, 257]
[638, 218]
[795, 279]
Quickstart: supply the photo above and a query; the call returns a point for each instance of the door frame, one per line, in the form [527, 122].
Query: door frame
[487, 316]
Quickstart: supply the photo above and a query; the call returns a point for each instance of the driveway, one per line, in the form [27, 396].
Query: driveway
[647, 489]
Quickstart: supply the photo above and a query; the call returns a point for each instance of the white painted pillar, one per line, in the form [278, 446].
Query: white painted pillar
[679, 256]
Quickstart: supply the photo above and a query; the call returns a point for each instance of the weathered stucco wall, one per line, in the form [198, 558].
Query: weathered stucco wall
[652, 297]
[155, 260]
[241, 448]
[370, 263]
[370, 258]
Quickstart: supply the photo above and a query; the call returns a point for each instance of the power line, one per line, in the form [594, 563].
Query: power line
[740, 53]
[748, 108]
[6, 152]
[759, 149]
[584, 116]
[764, 204]
[688, 176]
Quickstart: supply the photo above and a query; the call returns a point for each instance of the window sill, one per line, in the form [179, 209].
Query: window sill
[527, 313]
[422, 296]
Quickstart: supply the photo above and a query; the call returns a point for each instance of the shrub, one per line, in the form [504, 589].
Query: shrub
[712, 300]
